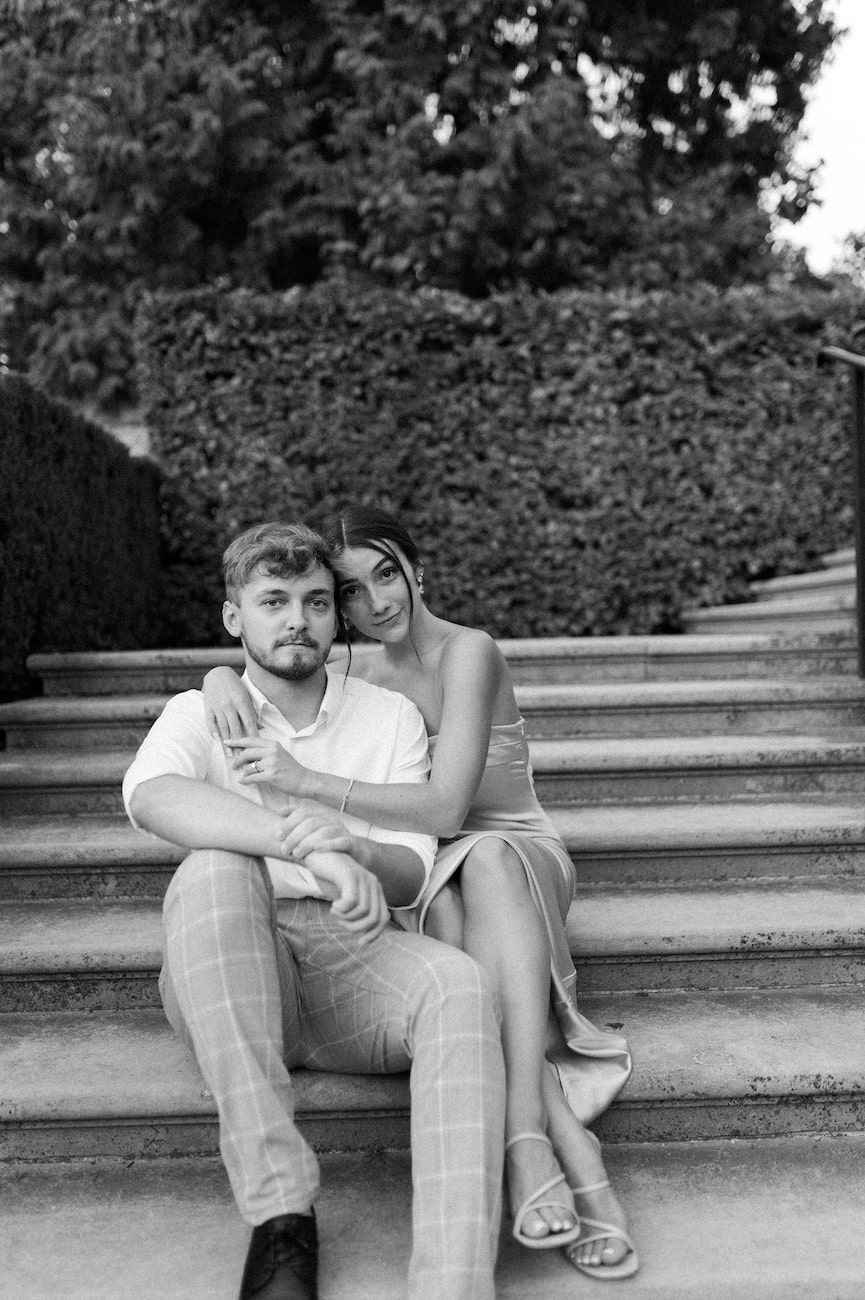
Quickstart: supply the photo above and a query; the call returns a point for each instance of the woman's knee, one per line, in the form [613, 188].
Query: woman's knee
[492, 868]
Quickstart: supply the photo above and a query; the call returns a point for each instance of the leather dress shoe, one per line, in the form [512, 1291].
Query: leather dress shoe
[282, 1261]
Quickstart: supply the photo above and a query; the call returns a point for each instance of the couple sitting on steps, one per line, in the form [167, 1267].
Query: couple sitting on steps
[314, 924]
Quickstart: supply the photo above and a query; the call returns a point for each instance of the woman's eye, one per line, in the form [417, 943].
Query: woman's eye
[387, 574]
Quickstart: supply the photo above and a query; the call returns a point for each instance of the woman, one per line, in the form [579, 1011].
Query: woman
[501, 885]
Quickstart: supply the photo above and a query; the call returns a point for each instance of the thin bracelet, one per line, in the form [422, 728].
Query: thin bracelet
[345, 796]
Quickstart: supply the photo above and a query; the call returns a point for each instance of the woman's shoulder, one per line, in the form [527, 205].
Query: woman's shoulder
[471, 644]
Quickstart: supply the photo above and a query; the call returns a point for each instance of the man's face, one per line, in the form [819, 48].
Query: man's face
[287, 625]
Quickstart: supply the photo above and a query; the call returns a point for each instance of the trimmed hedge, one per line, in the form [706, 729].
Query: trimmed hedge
[573, 463]
[79, 536]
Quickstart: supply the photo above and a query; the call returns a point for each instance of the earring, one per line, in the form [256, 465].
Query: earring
[420, 581]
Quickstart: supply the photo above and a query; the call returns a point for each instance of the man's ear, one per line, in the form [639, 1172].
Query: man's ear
[231, 618]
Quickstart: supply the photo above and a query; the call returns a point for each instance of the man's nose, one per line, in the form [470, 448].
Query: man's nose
[295, 615]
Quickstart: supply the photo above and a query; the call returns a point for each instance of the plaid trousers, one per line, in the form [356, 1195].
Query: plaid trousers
[254, 991]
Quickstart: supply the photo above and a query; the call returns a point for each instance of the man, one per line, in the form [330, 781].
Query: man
[324, 980]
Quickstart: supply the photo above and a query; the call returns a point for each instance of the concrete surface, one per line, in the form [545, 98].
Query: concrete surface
[770, 1220]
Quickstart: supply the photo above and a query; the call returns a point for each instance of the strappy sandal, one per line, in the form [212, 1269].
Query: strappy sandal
[626, 1267]
[536, 1202]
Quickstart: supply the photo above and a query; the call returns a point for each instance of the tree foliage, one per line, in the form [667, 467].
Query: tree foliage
[466, 144]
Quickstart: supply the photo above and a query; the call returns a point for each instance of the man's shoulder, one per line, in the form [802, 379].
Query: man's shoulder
[191, 702]
[186, 707]
[358, 691]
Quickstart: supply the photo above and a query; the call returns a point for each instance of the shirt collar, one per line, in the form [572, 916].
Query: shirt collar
[329, 703]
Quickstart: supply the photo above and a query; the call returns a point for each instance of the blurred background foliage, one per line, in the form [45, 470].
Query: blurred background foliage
[80, 537]
[476, 146]
[573, 463]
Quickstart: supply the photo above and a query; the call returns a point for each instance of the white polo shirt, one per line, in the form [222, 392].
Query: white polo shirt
[362, 731]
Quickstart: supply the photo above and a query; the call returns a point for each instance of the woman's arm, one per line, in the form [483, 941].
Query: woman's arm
[228, 708]
[470, 675]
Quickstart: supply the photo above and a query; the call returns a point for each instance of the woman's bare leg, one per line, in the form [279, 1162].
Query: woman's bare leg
[504, 931]
[445, 916]
[580, 1154]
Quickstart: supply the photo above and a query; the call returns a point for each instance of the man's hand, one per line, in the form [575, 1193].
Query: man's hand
[312, 827]
[358, 901]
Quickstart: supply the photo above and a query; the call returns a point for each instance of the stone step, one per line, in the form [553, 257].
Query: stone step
[77, 955]
[717, 1220]
[716, 768]
[817, 837]
[826, 580]
[640, 709]
[81, 723]
[88, 956]
[45, 782]
[846, 555]
[824, 613]
[542, 660]
[708, 1065]
[600, 770]
[69, 856]
[777, 936]
[806, 837]
[564, 710]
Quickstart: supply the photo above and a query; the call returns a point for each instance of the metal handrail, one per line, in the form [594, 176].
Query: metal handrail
[857, 433]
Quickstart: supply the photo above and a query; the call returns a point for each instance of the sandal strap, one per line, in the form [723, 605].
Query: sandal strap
[534, 1202]
[590, 1187]
[521, 1137]
[601, 1233]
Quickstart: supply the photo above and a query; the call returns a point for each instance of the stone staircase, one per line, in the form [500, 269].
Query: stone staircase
[709, 788]
[823, 601]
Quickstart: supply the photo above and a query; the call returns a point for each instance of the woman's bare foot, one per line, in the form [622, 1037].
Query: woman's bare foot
[579, 1153]
[530, 1164]
[603, 1206]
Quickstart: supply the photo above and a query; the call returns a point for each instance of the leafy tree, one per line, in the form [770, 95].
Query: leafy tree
[463, 143]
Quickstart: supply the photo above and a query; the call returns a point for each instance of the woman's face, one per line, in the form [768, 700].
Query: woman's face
[373, 595]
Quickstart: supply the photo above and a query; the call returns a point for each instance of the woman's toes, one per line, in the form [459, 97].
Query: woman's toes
[534, 1225]
[614, 1251]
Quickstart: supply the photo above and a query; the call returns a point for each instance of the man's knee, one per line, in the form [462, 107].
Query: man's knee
[457, 980]
[212, 872]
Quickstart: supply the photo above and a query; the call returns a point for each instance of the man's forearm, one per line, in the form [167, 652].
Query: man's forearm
[201, 816]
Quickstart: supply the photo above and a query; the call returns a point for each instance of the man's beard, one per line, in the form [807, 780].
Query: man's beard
[298, 670]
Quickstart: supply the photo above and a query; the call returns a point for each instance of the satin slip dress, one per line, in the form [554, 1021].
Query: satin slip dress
[592, 1064]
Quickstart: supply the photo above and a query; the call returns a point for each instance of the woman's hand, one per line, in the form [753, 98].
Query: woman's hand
[265, 762]
[228, 708]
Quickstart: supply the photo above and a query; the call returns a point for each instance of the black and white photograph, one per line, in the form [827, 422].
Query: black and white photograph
[432, 649]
